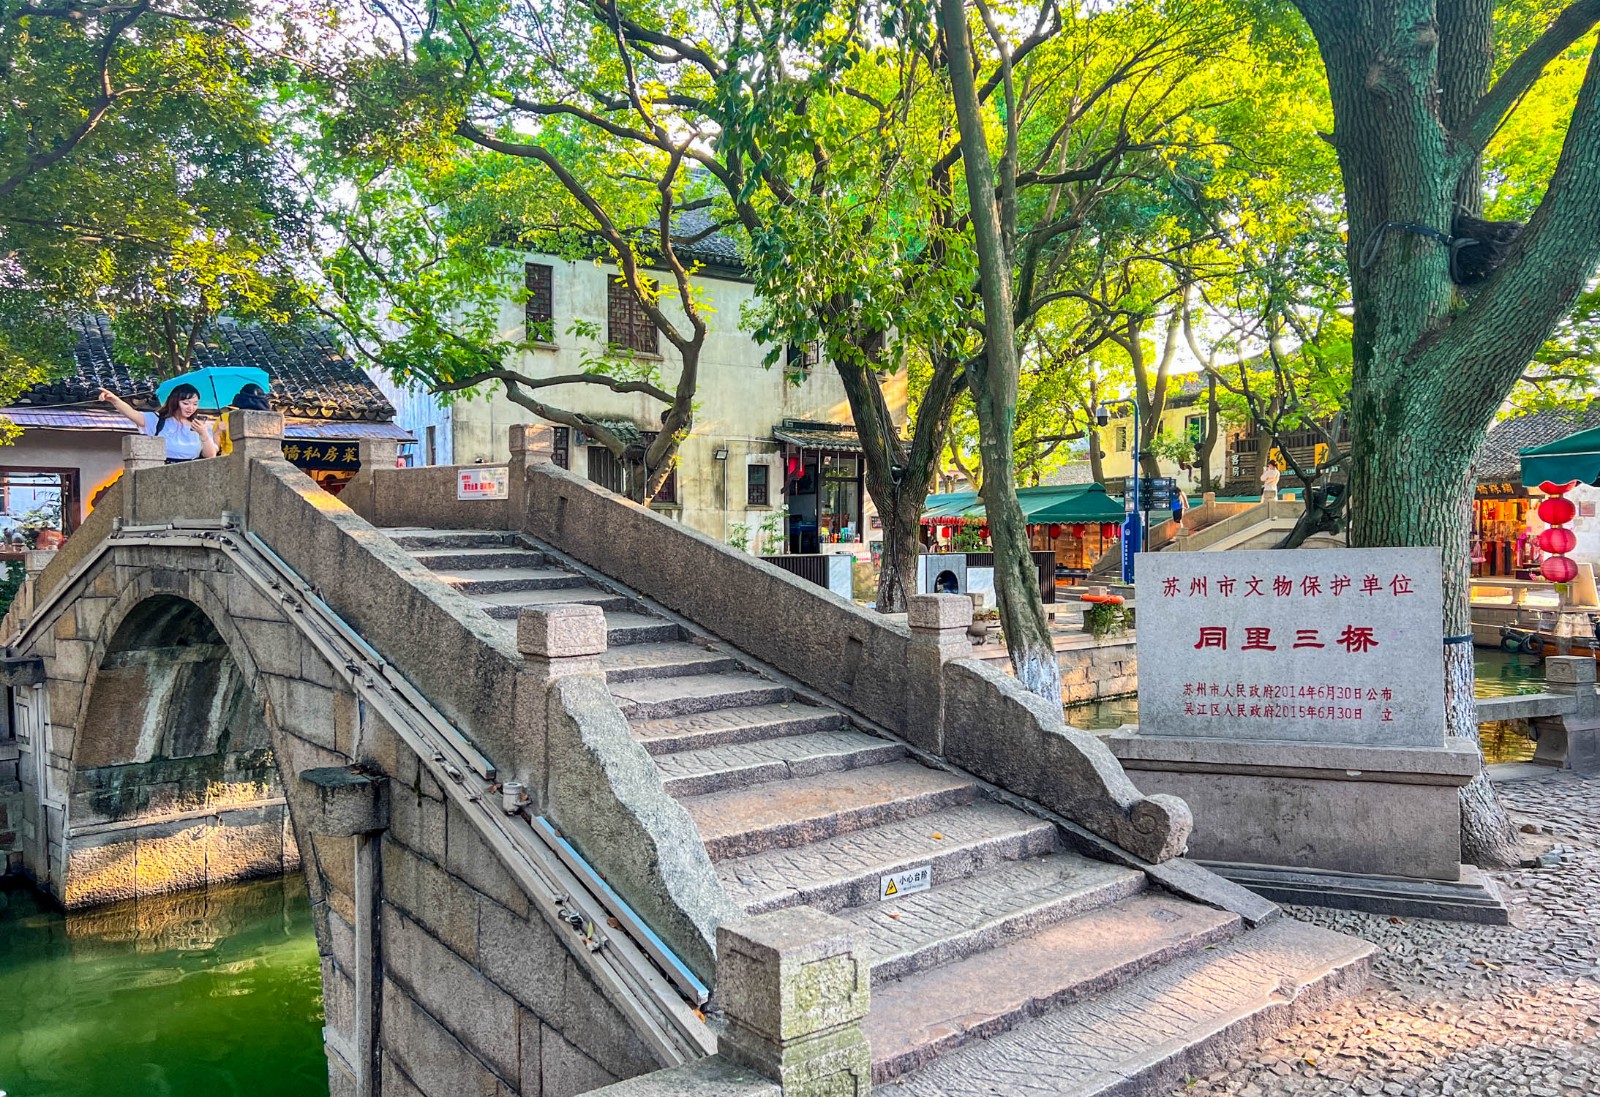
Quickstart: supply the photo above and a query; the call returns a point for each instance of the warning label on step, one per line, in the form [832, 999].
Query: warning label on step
[908, 882]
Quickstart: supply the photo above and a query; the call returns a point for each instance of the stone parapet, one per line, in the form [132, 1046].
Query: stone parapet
[1000, 732]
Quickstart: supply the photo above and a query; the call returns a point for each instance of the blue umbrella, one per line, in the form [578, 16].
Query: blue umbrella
[218, 385]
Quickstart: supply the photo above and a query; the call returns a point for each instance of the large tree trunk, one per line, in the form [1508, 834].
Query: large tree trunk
[992, 377]
[900, 507]
[1431, 365]
[1097, 471]
[898, 474]
[1411, 484]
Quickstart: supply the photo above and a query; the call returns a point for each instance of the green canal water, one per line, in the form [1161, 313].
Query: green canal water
[213, 993]
[1497, 674]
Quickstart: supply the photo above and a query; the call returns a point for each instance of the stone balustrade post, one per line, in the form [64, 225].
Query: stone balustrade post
[256, 436]
[555, 642]
[795, 987]
[139, 452]
[378, 453]
[531, 443]
[939, 624]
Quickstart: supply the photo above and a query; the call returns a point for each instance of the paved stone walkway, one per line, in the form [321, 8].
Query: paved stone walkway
[1475, 1011]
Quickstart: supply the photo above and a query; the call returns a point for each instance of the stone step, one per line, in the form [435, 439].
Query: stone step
[415, 539]
[477, 559]
[739, 765]
[503, 580]
[845, 871]
[507, 604]
[915, 1019]
[1011, 900]
[724, 727]
[1180, 1020]
[670, 659]
[788, 813]
[651, 698]
[624, 627]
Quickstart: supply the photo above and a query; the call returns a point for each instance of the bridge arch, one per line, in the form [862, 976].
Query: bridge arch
[174, 765]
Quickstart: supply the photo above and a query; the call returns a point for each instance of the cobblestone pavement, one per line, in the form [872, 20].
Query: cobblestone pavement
[1475, 1011]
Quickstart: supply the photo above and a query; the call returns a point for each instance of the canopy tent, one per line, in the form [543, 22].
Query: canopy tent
[1056, 503]
[1575, 457]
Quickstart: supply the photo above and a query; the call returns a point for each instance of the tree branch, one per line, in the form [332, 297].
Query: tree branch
[1493, 106]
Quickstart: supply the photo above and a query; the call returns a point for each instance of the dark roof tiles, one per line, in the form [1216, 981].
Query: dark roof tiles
[311, 377]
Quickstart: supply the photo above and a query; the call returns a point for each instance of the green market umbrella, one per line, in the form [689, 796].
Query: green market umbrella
[1575, 457]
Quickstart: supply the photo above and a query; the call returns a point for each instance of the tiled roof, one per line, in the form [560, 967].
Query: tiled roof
[1498, 459]
[311, 377]
[809, 435]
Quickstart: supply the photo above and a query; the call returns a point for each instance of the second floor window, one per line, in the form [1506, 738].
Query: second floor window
[627, 324]
[1121, 439]
[801, 359]
[756, 485]
[561, 447]
[538, 311]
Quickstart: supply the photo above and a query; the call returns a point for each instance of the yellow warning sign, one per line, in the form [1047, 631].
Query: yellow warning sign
[908, 882]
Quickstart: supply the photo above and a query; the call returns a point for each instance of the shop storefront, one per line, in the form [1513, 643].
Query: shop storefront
[823, 486]
[1502, 544]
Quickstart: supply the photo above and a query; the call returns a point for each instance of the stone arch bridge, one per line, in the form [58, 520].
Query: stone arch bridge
[586, 800]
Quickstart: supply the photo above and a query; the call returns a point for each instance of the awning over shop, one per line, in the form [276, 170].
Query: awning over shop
[1058, 503]
[66, 419]
[327, 431]
[840, 437]
[1575, 457]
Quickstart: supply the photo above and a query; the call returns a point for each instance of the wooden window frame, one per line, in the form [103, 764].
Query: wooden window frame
[538, 309]
[627, 324]
[758, 495]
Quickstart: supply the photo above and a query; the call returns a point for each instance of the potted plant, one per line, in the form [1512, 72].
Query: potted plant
[41, 526]
[1102, 619]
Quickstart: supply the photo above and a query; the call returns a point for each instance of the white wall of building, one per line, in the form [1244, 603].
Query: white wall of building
[96, 454]
[739, 398]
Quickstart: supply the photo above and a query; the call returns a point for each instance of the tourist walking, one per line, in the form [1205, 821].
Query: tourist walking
[186, 435]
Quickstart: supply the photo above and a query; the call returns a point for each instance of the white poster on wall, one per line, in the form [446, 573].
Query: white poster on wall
[481, 483]
[1315, 645]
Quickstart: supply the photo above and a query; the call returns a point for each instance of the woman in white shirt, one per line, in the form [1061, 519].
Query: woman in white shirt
[187, 435]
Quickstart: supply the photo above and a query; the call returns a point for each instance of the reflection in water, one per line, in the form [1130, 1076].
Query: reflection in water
[1496, 674]
[206, 993]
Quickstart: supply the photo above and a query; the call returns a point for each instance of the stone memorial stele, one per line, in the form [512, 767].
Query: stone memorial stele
[1295, 700]
[1316, 646]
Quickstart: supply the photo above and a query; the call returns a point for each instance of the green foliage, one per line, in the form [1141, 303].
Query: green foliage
[1172, 447]
[10, 584]
[739, 536]
[139, 176]
[1103, 619]
[772, 536]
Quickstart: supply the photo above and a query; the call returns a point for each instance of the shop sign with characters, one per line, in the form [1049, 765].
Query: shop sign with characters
[1326, 646]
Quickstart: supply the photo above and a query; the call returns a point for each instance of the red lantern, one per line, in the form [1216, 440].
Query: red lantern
[1055, 530]
[1558, 539]
[1077, 530]
[1550, 488]
[983, 530]
[1108, 529]
[1559, 569]
[1557, 511]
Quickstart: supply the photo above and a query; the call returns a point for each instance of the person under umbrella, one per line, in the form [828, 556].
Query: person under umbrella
[186, 435]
